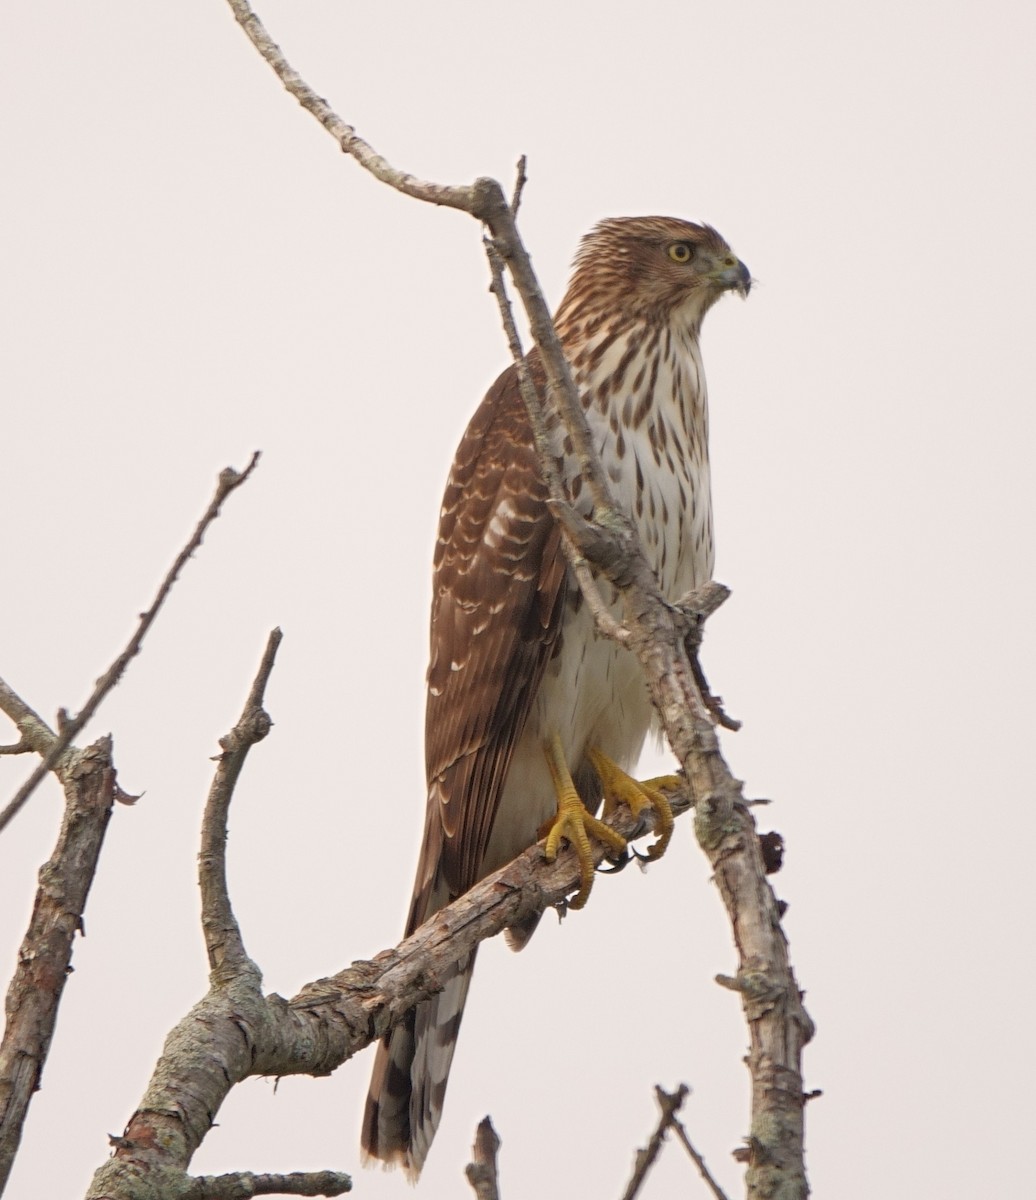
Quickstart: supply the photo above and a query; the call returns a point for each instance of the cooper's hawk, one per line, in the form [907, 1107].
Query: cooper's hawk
[527, 704]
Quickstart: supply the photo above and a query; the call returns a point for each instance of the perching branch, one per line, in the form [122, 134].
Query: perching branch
[243, 1185]
[229, 480]
[235, 1032]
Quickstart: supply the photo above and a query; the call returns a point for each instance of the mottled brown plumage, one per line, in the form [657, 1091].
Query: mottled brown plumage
[515, 658]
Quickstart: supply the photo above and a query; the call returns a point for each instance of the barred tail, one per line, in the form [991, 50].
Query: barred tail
[411, 1069]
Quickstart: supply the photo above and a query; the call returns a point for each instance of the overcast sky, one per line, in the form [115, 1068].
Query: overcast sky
[191, 271]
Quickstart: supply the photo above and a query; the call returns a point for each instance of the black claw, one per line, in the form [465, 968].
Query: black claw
[612, 866]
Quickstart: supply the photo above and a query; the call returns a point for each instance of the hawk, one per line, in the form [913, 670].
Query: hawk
[533, 718]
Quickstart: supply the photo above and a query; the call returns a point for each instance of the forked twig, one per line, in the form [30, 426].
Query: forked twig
[670, 1104]
[645, 1158]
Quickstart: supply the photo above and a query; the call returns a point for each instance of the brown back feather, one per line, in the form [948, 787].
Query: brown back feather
[498, 597]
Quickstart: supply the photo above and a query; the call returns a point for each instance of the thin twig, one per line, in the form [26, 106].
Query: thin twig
[699, 1162]
[562, 393]
[521, 179]
[645, 1159]
[229, 481]
[606, 622]
[481, 1172]
[346, 136]
[602, 614]
[223, 939]
[530, 396]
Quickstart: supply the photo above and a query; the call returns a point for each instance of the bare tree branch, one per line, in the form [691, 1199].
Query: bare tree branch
[520, 180]
[223, 940]
[91, 787]
[345, 135]
[670, 1104]
[37, 735]
[537, 417]
[229, 481]
[484, 199]
[235, 1032]
[645, 1159]
[45, 955]
[481, 1171]
[696, 1158]
[243, 1185]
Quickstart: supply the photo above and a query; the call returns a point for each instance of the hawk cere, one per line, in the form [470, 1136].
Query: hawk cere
[533, 718]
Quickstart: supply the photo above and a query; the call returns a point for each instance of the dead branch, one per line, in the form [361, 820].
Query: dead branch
[538, 419]
[89, 781]
[695, 1157]
[235, 1032]
[45, 954]
[229, 481]
[223, 940]
[481, 1172]
[243, 1185]
[36, 734]
[645, 1159]
[669, 1104]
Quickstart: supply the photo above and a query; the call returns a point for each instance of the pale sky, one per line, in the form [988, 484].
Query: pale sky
[191, 271]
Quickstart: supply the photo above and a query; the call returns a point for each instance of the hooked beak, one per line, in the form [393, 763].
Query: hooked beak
[732, 274]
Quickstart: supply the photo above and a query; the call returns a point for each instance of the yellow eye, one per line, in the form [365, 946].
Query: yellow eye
[680, 252]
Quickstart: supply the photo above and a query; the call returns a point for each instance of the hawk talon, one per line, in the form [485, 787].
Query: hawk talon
[612, 866]
[575, 824]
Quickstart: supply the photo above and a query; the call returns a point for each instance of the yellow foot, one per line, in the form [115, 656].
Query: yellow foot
[575, 824]
[620, 788]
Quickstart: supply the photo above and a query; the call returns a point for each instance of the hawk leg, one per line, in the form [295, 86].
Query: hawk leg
[574, 823]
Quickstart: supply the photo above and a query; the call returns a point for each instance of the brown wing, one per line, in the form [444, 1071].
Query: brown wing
[497, 602]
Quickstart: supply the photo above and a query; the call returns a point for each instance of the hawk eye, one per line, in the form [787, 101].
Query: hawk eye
[680, 252]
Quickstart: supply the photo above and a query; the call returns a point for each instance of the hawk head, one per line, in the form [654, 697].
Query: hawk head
[658, 269]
